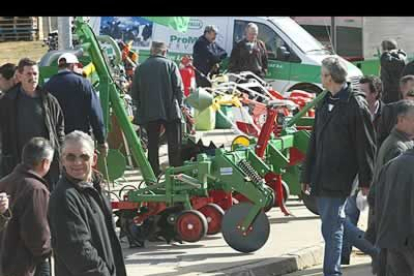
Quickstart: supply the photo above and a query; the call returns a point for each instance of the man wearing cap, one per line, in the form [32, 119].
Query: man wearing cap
[207, 55]
[157, 91]
[78, 99]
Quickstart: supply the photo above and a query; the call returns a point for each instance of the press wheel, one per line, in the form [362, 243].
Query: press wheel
[214, 215]
[310, 202]
[191, 225]
[254, 238]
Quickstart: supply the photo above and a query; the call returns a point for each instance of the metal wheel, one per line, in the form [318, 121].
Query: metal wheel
[191, 225]
[214, 215]
[254, 238]
[310, 202]
[286, 193]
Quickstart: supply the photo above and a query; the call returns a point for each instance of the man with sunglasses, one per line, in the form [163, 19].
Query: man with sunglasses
[83, 233]
[78, 100]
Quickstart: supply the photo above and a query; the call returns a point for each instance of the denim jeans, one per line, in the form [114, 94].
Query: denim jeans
[352, 216]
[353, 236]
[332, 213]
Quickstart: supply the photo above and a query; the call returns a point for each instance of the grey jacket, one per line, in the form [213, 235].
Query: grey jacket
[396, 144]
[157, 91]
[394, 208]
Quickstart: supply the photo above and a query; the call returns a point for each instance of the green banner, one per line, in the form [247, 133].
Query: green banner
[178, 23]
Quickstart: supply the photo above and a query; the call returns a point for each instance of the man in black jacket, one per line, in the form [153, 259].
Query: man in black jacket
[342, 145]
[399, 141]
[28, 111]
[25, 242]
[157, 91]
[249, 54]
[78, 100]
[84, 240]
[394, 213]
[392, 65]
[388, 117]
[207, 55]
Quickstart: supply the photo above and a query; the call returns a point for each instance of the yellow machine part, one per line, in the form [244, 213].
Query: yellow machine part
[241, 140]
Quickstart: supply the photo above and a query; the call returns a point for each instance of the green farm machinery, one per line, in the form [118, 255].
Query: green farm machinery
[195, 199]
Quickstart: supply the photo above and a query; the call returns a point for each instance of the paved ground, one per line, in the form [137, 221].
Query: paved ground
[288, 234]
[360, 266]
[295, 243]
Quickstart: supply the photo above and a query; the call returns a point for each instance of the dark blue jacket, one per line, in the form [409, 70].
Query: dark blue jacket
[207, 54]
[79, 102]
[342, 145]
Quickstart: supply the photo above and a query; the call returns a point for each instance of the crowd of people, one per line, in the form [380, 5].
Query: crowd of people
[51, 198]
[362, 146]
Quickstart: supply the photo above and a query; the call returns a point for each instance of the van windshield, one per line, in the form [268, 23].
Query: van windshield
[303, 40]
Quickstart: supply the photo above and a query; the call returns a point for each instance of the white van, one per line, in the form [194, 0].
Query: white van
[294, 55]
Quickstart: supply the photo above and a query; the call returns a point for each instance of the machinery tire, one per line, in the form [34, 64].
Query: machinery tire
[191, 226]
[214, 215]
[310, 202]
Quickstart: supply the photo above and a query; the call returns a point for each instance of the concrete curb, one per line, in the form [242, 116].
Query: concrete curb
[287, 263]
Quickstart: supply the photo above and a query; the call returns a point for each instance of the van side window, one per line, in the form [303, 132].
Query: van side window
[271, 39]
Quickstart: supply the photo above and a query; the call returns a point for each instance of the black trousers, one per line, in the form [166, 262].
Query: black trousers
[174, 138]
[400, 262]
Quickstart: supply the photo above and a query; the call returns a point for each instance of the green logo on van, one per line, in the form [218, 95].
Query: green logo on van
[183, 40]
[195, 24]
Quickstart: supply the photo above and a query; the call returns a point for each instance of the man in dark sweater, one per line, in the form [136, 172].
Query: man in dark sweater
[79, 101]
[28, 111]
[207, 55]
